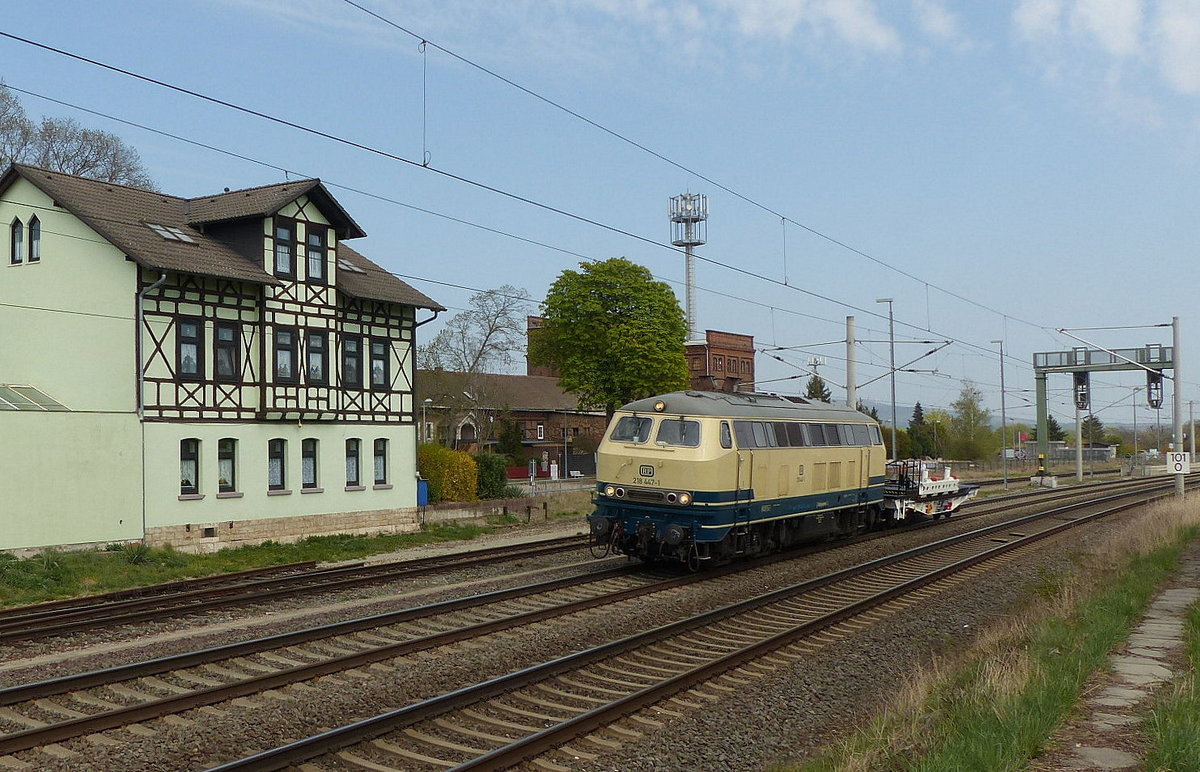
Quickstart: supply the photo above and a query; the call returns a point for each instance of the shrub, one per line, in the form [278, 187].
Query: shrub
[452, 474]
[492, 475]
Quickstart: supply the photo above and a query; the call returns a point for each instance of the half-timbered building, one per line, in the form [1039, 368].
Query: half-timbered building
[199, 371]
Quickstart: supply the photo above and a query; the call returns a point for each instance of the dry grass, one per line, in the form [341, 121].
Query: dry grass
[999, 668]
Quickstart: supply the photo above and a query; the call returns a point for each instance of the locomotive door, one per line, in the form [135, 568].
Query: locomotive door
[864, 476]
[745, 475]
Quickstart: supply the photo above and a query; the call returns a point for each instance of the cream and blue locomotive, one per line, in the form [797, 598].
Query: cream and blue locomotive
[703, 477]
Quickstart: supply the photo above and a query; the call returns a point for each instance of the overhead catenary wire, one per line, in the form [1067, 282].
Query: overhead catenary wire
[465, 180]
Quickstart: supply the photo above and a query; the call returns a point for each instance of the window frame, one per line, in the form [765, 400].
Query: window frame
[309, 449]
[227, 451]
[16, 243]
[35, 240]
[278, 224]
[234, 347]
[322, 350]
[322, 232]
[189, 451]
[197, 342]
[277, 450]
[379, 458]
[355, 357]
[387, 364]
[354, 444]
[292, 349]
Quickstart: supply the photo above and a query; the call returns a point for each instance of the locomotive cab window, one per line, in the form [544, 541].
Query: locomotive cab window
[679, 432]
[632, 429]
[726, 436]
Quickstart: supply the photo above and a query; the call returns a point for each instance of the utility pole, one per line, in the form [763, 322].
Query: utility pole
[1003, 418]
[1176, 354]
[851, 368]
[892, 350]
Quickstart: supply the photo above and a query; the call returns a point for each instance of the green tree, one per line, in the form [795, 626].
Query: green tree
[508, 444]
[614, 334]
[1093, 429]
[1054, 430]
[970, 425]
[817, 391]
[871, 411]
[920, 433]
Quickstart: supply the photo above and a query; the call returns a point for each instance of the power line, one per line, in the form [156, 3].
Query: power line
[467, 181]
[682, 167]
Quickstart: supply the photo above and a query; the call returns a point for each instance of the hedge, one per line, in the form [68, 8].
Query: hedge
[493, 476]
[452, 474]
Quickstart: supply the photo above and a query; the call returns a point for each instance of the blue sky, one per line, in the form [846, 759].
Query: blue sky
[1008, 168]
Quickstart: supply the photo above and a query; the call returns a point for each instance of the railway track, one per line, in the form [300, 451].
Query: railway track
[511, 719]
[193, 596]
[35, 715]
[181, 598]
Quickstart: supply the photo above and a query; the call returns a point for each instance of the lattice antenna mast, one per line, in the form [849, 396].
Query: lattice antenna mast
[689, 229]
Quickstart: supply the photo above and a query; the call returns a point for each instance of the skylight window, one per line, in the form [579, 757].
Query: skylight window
[346, 265]
[27, 398]
[170, 233]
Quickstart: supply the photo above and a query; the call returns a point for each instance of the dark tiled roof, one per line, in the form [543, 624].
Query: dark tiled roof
[267, 200]
[121, 215]
[494, 391]
[375, 283]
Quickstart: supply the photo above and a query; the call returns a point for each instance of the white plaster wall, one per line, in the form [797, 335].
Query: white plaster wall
[69, 478]
[165, 508]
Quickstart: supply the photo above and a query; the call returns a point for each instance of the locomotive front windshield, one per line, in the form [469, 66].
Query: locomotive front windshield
[632, 429]
[678, 431]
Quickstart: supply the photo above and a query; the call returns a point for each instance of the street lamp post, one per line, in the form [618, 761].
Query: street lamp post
[1003, 418]
[566, 412]
[892, 356]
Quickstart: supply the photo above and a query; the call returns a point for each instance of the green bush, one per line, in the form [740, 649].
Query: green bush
[452, 474]
[492, 475]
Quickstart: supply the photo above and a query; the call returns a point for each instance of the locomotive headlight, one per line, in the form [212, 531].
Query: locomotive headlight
[685, 499]
[660, 406]
[620, 493]
[610, 490]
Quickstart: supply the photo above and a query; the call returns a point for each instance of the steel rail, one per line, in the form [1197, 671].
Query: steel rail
[154, 708]
[321, 580]
[302, 750]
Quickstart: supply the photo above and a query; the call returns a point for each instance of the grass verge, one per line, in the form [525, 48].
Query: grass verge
[54, 574]
[992, 708]
[1173, 726]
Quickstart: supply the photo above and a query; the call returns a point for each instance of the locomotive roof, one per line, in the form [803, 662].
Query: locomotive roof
[746, 405]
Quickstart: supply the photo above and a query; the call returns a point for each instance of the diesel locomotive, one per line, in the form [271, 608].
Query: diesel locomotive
[704, 477]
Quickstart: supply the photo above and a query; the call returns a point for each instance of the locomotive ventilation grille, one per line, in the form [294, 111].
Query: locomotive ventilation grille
[649, 497]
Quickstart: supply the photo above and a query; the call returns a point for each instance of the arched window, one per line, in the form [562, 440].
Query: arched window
[35, 239]
[17, 242]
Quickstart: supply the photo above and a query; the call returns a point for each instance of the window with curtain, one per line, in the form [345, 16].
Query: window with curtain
[381, 462]
[227, 465]
[189, 467]
[352, 473]
[276, 452]
[308, 463]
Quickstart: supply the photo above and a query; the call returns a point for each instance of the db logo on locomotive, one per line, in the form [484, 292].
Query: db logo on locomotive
[645, 470]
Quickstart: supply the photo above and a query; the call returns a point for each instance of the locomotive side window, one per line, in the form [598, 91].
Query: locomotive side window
[832, 436]
[862, 435]
[876, 435]
[678, 432]
[726, 437]
[632, 429]
[781, 435]
[816, 432]
[745, 436]
[762, 437]
[795, 434]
